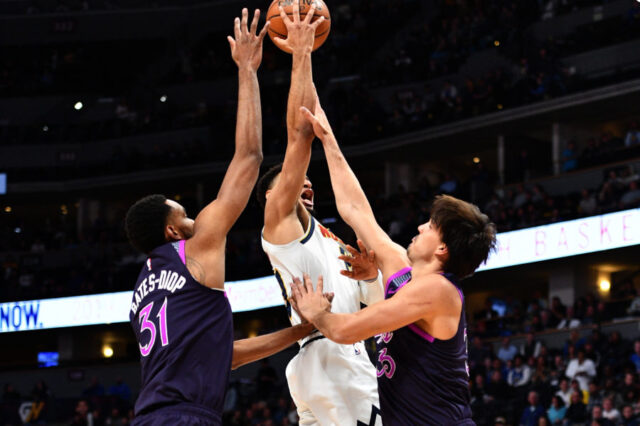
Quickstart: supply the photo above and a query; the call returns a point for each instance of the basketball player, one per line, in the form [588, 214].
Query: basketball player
[420, 326]
[331, 384]
[179, 312]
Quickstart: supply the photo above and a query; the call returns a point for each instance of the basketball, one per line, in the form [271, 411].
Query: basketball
[278, 29]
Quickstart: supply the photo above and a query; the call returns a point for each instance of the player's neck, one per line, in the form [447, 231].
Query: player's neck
[427, 267]
[303, 215]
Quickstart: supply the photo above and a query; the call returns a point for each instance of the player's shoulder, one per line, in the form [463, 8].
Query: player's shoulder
[435, 285]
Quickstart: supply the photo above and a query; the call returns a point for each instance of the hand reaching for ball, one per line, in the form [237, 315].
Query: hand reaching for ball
[298, 26]
[246, 47]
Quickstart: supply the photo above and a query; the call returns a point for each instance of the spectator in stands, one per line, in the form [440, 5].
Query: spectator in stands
[581, 369]
[628, 417]
[266, 379]
[121, 390]
[609, 411]
[507, 350]
[633, 135]
[595, 396]
[587, 205]
[533, 411]
[83, 415]
[557, 410]
[530, 347]
[635, 357]
[570, 320]
[94, 388]
[630, 198]
[520, 375]
[596, 417]
[488, 312]
[577, 411]
[569, 157]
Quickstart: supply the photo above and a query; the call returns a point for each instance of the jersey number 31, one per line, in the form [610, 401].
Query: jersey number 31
[145, 324]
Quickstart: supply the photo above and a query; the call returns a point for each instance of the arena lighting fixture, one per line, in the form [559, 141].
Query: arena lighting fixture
[107, 351]
[604, 285]
[45, 128]
[78, 106]
[476, 160]
[8, 209]
[163, 98]
[496, 43]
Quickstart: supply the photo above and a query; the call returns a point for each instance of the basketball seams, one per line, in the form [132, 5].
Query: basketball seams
[302, 16]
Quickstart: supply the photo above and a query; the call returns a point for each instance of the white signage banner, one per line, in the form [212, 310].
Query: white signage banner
[588, 235]
[109, 308]
[562, 239]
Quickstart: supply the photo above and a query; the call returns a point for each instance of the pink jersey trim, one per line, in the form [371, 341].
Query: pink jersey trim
[394, 276]
[181, 252]
[420, 332]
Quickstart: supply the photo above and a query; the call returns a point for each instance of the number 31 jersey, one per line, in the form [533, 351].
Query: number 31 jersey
[185, 335]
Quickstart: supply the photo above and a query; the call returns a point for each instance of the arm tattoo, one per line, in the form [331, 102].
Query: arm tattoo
[196, 270]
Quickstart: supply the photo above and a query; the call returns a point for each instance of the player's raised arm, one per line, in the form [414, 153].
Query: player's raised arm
[281, 224]
[351, 201]
[214, 221]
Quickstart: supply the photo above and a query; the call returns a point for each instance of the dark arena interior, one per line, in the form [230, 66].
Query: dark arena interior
[528, 109]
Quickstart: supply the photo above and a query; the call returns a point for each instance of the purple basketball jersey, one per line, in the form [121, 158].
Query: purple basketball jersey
[423, 380]
[185, 335]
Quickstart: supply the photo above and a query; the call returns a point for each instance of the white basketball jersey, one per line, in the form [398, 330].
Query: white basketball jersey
[316, 253]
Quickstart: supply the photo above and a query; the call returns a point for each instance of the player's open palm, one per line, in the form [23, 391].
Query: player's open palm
[246, 45]
[307, 301]
[362, 261]
[300, 33]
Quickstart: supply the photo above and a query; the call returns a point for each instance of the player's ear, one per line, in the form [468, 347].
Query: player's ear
[171, 233]
[442, 250]
[266, 194]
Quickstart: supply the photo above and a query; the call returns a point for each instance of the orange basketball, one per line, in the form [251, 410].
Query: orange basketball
[278, 29]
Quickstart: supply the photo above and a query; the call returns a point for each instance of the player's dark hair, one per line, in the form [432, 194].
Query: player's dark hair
[145, 222]
[467, 232]
[265, 183]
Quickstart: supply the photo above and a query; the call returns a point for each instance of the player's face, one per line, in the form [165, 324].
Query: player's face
[426, 243]
[180, 226]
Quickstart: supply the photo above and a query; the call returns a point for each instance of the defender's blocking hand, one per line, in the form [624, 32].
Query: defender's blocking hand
[246, 45]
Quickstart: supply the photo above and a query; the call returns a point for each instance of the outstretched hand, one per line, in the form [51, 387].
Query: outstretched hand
[300, 34]
[246, 47]
[318, 120]
[306, 301]
[363, 263]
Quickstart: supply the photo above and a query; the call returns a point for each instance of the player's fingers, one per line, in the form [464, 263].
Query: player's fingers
[310, 13]
[236, 28]
[285, 18]
[348, 274]
[245, 20]
[295, 287]
[372, 255]
[319, 285]
[346, 258]
[315, 24]
[232, 43]
[264, 30]
[308, 114]
[351, 249]
[361, 246]
[308, 284]
[254, 21]
[329, 296]
[296, 12]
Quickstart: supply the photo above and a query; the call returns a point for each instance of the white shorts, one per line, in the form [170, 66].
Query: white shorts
[333, 384]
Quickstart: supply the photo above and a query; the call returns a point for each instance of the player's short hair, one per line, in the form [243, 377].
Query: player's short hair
[145, 222]
[467, 232]
[265, 183]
